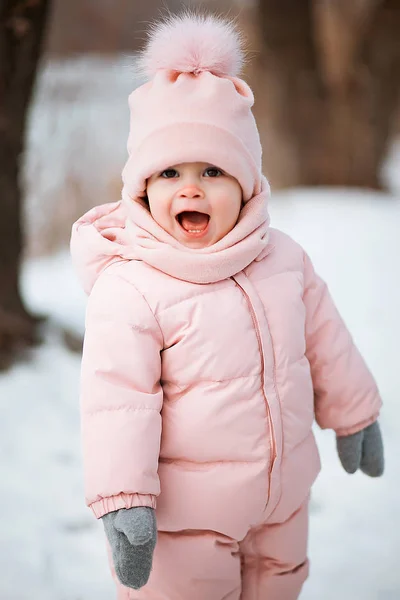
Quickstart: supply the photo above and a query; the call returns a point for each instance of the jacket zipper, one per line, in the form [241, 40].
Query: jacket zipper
[271, 434]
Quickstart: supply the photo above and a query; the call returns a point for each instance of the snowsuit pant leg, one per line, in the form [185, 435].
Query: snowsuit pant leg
[191, 565]
[274, 559]
[269, 564]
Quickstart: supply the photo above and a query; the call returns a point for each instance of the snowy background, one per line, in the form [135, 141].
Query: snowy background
[51, 547]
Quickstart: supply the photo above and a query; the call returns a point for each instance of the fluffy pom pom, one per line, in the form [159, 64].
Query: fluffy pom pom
[191, 43]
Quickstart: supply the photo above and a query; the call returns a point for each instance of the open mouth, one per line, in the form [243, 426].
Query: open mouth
[193, 223]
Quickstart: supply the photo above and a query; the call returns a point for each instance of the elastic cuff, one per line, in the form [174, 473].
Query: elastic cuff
[356, 428]
[107, 505]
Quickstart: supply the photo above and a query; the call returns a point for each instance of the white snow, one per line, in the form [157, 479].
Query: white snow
[52, 548]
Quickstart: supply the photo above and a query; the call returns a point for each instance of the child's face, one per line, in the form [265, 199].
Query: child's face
[197, 203]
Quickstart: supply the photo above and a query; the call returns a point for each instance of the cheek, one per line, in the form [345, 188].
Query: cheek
[227, 210]
[158, 202]
[229, 203]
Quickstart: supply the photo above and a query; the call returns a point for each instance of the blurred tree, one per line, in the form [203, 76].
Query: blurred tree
[326, 82]
[102, 26]
[22, 24]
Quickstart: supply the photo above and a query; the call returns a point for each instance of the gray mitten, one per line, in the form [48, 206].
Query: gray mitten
[132, 534]
[363, 450]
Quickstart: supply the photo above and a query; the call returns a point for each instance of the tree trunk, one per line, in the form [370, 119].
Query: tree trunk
[326, 82]
[22, 24]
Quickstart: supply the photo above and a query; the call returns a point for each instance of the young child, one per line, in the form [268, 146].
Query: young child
[211, 344]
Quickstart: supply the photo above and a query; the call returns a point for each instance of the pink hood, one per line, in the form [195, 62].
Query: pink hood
[125, 230]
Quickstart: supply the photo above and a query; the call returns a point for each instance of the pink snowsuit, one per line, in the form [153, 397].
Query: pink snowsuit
[202, 374]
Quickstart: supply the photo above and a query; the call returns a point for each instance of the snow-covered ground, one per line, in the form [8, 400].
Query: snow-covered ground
[51, 547]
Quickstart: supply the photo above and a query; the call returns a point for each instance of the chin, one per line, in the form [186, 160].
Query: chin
[196, 245]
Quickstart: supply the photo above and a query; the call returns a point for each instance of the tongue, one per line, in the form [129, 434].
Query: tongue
[194, 221]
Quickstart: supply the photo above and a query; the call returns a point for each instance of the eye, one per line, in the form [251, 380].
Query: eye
[169, 173]
[213, 172]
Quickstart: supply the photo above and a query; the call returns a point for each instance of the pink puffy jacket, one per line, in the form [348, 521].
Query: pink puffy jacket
[203, 371]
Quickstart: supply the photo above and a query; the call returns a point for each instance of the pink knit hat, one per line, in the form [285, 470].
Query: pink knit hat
[194, 108]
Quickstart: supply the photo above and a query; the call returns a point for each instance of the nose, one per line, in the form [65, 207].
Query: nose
[191, 192]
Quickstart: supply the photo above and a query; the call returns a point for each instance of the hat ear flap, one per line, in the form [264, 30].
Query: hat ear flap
[243, 89]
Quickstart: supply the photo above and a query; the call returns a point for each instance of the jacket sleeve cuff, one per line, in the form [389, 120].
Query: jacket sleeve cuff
[113, 503]
[356, 428]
